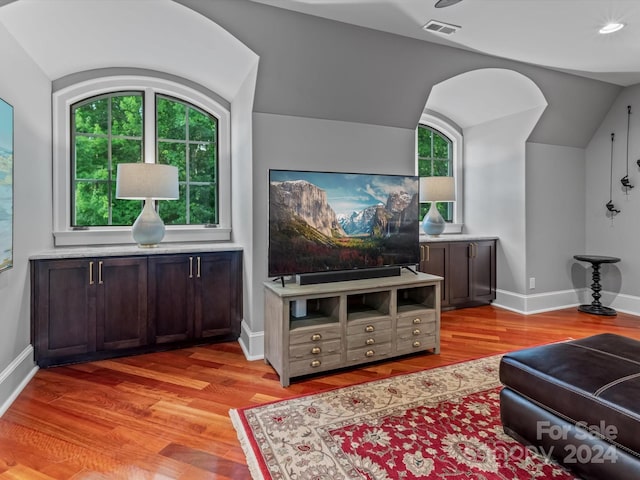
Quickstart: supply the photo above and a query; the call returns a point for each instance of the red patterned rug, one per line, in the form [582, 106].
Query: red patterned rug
[442, 423]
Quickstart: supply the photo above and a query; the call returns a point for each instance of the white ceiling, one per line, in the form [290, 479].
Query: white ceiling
[560, 34]
[160, 35]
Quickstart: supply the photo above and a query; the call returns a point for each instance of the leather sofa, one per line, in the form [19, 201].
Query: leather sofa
[579, 402]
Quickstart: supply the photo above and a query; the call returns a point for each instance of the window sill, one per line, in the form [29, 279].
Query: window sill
[122, 236]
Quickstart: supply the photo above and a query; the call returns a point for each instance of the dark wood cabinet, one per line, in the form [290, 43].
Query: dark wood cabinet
[195, 296]
[468, 268]
[91, 308]
[88, 305]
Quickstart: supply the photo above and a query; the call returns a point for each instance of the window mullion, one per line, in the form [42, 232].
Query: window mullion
[110, 194]
[149, 131]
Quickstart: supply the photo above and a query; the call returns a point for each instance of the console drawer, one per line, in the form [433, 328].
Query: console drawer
[315, 349]
[368, 339]
[316, 333]
[369, 353]
[417, 319]
[307, 366]
[365, 326]
[416, 344]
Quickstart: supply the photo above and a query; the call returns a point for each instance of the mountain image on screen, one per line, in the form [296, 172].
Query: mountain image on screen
[307, 234]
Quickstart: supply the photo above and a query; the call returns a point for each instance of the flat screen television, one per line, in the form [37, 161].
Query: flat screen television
[327, 221]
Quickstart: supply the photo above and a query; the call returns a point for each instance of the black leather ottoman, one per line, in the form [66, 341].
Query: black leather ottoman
[578, 401]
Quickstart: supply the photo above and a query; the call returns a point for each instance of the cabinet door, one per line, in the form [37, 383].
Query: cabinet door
[171, 295]
[460, 291]
[434, 258]
[121, 288]
[218, 299]
[484, 268]
[63, 309]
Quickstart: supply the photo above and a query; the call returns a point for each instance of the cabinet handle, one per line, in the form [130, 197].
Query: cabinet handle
[190, 267]
[369, 328]
[198, 268]
[315, 337]
[91, 282]
[369, 353]
[416, 331]
[428, 253]
[316, 350]
[370, 341]
[416, 344]
[417, 321]
[316, 363]
[100, 282]
[473, 250]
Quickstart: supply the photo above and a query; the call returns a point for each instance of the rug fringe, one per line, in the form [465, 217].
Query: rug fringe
[252, 461]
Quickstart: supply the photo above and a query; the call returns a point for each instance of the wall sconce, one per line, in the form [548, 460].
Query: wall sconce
[148, 182]
[436, 189]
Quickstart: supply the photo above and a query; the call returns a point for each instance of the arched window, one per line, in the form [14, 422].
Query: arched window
[129, 120]
[439, 153]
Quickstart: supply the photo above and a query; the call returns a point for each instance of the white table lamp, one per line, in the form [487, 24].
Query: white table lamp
[148, 182]
[436, 189]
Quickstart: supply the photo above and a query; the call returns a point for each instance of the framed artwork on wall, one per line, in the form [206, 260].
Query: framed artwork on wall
[6, 185]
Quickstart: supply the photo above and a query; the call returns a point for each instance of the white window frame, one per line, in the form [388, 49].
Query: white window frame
[64, 234]
[457, 148]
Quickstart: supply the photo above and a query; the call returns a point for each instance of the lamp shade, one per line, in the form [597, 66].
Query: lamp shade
[136, 181]
[437, 189]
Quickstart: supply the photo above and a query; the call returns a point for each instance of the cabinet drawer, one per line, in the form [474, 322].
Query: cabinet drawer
[314, 349]
[314, 334]
[417, 319]
[312, 365]
[368, 326]
[416, 331]
[369, 354]
[415, 344]
[368, 339]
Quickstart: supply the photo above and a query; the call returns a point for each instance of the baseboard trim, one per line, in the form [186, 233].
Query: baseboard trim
[15, 377]
[550, 301]
[252, 343]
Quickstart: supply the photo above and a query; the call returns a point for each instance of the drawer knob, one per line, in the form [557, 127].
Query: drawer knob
[369, 353]
[315, 337]
[416, 344]
[316, 363]
[416, 331]
[316, 350]
[370, 341]
[416, 321]
[369, 328]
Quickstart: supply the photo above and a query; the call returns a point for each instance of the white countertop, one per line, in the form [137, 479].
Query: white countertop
[455, 237]
[132, 250]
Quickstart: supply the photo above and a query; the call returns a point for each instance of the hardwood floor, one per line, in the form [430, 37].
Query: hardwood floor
[165, 415]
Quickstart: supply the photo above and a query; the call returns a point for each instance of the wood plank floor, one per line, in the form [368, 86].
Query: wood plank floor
[165, 415]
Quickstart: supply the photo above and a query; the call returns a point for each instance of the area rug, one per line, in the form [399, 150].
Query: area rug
[442, 423]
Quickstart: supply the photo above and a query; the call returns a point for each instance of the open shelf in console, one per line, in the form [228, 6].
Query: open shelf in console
[416, 298]
[314, 311]
[368, 305]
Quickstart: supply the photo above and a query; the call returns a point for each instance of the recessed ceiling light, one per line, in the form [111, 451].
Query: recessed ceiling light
[611, 27]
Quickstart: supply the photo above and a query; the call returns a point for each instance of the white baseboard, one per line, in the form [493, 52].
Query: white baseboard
[546, 302]
[252, 343]
[15, 377]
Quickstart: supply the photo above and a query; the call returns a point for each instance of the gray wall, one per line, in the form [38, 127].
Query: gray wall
[618, 236]
[26, 88]
[555, 215]
[318, 68]
[297, 143]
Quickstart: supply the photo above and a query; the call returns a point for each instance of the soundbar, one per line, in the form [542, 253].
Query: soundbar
[344, 275]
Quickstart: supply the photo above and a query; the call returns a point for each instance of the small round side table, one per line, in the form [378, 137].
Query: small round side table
[596, 307]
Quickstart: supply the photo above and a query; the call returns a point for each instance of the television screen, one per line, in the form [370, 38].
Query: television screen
[323, 221]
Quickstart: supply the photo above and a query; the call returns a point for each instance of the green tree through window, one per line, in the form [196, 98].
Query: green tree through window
[109, 129]
[106, 130]
[187, 138]
[435, 158]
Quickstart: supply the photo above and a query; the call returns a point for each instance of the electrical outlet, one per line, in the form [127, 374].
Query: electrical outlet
[532, 283]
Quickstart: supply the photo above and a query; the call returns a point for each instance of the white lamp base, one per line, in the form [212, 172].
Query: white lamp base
[433, 223]
[148, 229]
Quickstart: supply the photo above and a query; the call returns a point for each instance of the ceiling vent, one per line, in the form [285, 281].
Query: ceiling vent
[442, 28]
